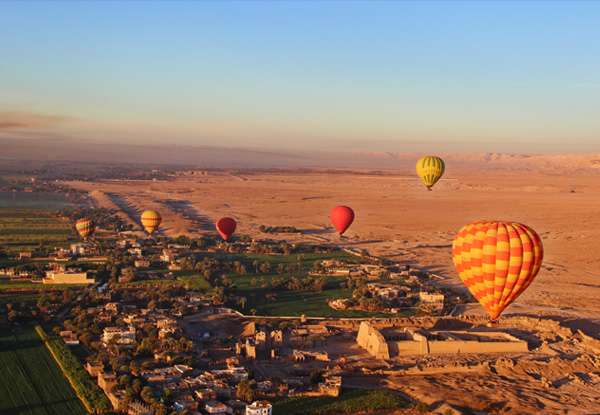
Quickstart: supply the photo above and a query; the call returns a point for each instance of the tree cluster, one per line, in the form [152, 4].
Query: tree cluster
[277, 229]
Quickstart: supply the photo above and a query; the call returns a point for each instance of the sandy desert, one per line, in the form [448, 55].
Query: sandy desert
[398, 219]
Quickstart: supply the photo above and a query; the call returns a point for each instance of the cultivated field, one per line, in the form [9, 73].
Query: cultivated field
[26, 222]
[31, 382]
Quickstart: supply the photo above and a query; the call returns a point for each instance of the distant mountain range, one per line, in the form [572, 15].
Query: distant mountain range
[56, 150]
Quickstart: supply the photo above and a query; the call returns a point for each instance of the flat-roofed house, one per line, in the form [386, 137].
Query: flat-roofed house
[259, 408]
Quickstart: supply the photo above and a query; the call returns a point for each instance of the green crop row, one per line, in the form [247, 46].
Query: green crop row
[349, 401]
[92, 396]
[31, 382]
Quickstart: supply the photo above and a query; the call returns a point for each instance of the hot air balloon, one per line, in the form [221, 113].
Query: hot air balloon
[151, 220]
[497, 261]
[85, 227]
[430, 169]
[341, 217]
[226, 226]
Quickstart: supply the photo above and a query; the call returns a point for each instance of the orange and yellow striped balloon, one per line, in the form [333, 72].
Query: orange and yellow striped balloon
[497, 261]
[430, 169]
[151, 220]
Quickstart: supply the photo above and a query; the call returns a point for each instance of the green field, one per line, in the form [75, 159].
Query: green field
[26, 222]
[32, 201]
[31, 382]
[17, 297]
[292, 303]
[191, 280]
[28, 285]
[26, 233]
[349, 401]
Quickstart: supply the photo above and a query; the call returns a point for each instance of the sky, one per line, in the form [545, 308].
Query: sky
[477, 76]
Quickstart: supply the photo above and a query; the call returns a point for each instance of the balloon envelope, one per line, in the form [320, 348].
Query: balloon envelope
[85, 227]
[226, 226]
[341, 217]
[151, 220]
[430, 169]
[497, 261]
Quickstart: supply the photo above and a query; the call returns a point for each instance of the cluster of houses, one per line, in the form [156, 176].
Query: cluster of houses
[194, 390]
[213, 389]
[396, 296]
[334, 267]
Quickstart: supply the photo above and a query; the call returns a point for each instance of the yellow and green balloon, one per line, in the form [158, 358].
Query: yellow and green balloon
[430, 169]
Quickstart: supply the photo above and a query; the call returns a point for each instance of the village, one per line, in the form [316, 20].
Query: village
[158, 347]
[202, 326]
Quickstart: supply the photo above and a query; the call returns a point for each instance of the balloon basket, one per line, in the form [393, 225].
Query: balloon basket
[493, 323]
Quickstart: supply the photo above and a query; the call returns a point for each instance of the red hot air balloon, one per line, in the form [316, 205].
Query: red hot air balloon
[341, 217]
[226, 226]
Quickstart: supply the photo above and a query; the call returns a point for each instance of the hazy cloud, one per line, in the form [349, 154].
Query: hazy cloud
[14, 120]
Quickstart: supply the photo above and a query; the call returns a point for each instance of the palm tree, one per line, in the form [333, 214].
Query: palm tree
[265, 267]
[253, 311]
[242, 302]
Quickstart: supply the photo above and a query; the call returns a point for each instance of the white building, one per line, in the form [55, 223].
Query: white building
[215, 407]
[259, 408]
[68, 277]
[127, 336]
[435, 300]
[78, 249]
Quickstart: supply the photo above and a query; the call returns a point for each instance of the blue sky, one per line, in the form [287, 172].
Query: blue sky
[521, 77]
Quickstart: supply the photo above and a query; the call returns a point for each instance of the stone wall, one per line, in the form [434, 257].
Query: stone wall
[370, 339]
[436, 342]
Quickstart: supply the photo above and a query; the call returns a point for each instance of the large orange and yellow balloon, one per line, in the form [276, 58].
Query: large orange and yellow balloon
[151, 220]
[430, 169]
[497, 261]
[85, 227]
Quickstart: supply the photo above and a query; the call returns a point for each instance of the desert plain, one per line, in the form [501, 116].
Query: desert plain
[398, 219]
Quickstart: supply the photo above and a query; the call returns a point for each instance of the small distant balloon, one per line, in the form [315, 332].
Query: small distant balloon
[430, 169]
[341, 217]
[226, 226]
[151, 220]
[497, 261]
[85, 228]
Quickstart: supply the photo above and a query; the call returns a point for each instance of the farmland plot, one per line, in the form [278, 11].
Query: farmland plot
[31, 382]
